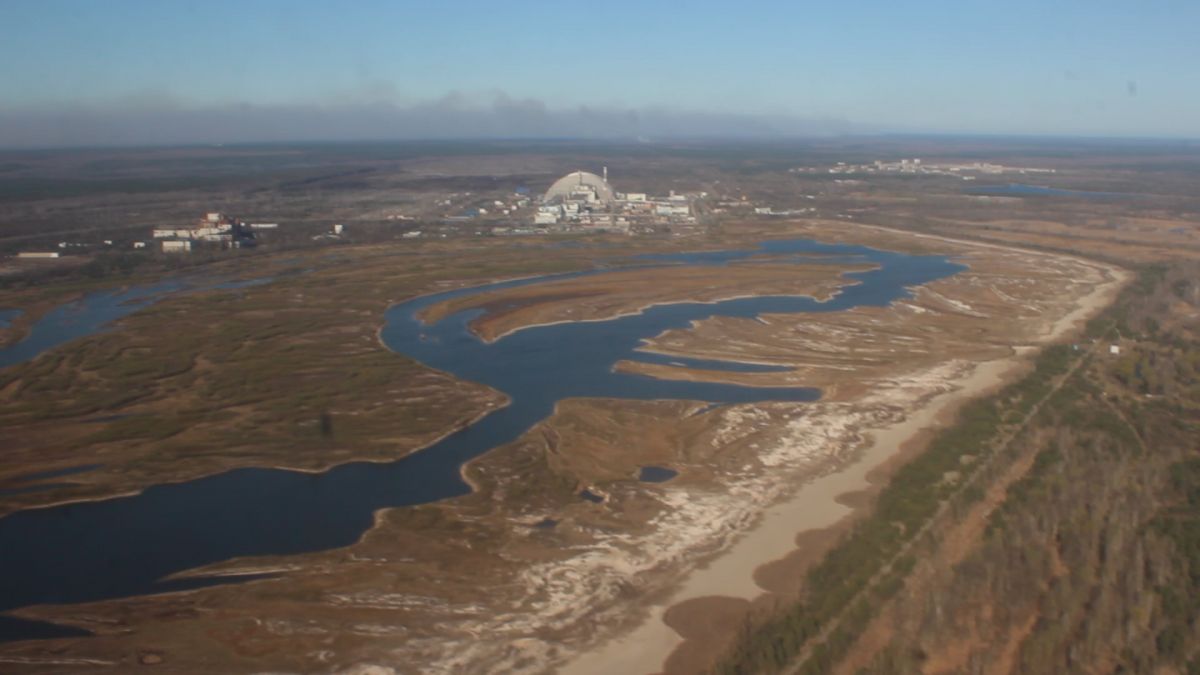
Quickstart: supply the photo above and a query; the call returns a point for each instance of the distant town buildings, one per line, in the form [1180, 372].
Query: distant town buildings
[915, 166]
[214, 229]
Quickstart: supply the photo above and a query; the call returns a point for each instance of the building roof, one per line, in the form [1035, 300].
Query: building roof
[563, 186]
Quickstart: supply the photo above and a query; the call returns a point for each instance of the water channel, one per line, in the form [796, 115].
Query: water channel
[127, 546]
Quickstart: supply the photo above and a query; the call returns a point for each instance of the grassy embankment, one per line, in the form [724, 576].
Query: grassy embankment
[1103, 457]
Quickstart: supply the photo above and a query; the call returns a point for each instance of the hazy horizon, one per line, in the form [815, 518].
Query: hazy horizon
[137, 73]
[82, 127]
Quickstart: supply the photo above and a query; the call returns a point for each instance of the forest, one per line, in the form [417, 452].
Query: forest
[1085, 477]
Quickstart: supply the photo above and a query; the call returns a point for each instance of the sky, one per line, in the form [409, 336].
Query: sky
[160, 71]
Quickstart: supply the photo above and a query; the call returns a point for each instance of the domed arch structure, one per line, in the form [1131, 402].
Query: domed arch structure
[576, 182]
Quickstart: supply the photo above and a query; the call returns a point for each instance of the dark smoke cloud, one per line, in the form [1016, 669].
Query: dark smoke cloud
[162, 121]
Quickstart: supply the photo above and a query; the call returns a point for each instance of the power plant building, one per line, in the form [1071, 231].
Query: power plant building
[580, 186]
[585, 199]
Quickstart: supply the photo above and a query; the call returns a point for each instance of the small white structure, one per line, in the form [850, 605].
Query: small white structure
[264, 226]
[181, 246]
[38, 255]
[671, 210]
[139, 244]
[206, 231]
[1115, 350]
[547, 215]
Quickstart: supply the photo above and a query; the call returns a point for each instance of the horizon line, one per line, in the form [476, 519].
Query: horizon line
[745, 138]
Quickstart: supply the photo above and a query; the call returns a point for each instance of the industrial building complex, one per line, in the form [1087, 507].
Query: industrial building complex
[216, 228]
[584, 200]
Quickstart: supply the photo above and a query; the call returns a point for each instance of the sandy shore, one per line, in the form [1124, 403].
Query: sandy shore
[814, 507]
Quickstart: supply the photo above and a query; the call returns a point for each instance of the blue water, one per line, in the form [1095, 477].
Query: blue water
[7, 316]
[95, 311]
[126, 546]
[656, 474]
[85, 317]
[1022, 190]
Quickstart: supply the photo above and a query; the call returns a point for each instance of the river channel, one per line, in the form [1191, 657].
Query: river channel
[127, 546]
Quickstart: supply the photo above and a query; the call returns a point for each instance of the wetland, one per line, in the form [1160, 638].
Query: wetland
[132, 545]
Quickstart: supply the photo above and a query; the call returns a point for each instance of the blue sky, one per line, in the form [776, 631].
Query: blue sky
[1054, 66]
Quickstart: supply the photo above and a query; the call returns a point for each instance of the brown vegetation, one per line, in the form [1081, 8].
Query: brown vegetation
[628, 291]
